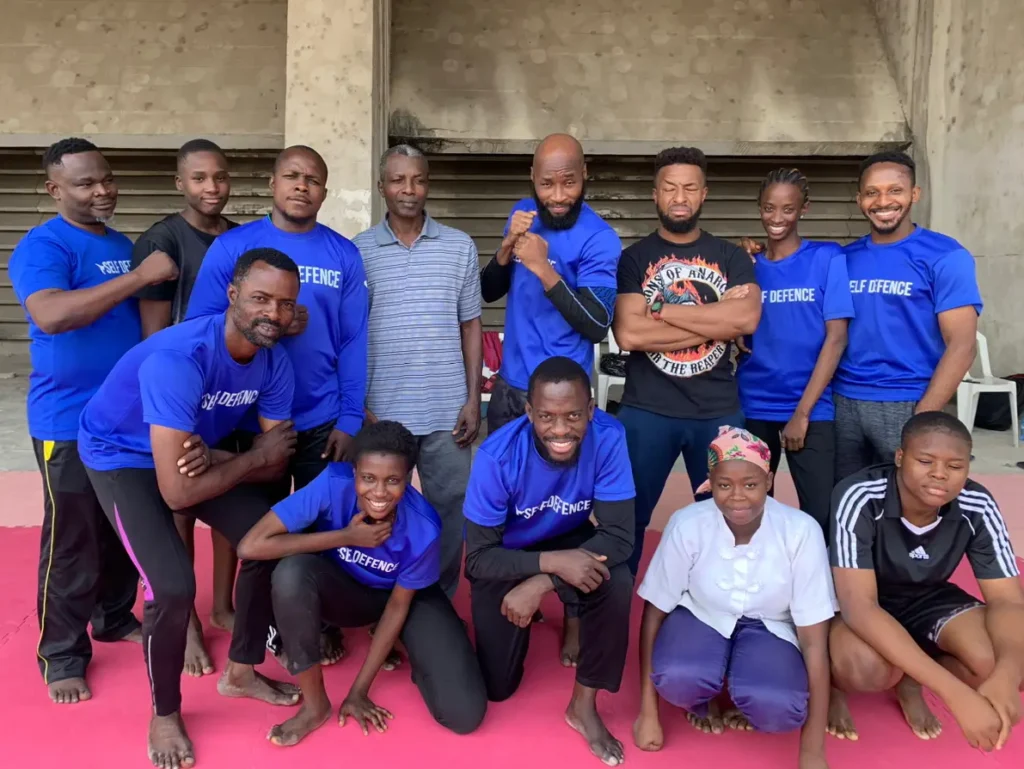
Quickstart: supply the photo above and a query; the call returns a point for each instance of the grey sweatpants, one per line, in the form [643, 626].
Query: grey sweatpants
[867, 432]
[444, 473]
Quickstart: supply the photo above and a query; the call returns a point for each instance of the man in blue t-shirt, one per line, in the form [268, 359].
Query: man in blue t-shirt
[536, 485]
[73, 277]
[916, 300]
[327, 342]
[201, 376]
[358, 545]
[557, 265]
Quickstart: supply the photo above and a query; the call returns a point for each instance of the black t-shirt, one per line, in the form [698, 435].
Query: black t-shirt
[697, 382]
[186, 246]
[867, 531]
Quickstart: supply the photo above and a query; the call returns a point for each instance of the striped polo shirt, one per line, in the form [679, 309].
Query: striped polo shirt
[418, 297]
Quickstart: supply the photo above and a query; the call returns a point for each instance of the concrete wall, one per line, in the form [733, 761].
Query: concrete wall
[710, 71]
[125, 71]
[962, 76]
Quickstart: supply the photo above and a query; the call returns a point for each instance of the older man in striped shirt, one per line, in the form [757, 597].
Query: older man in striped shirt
[425, 339]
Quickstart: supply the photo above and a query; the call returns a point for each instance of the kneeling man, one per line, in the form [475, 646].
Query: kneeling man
[534, 486]
[898, 532]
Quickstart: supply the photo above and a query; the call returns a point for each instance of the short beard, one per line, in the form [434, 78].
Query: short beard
[565, 222]
[891, 228]
[546, 455]
[680, 226]
[249, 331]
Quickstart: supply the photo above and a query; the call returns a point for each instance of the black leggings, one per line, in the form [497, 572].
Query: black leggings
[309, 589]
[501, 646]
[813, 467]
[131, 500]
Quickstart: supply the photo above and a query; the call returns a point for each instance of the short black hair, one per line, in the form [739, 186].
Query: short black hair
[555, 370]
[270, 256]
[934, 422]
[301, 148]
[792, 176]
[385, 437]
[681, 156]
[889, 156]
[55, 153]
[198, 145]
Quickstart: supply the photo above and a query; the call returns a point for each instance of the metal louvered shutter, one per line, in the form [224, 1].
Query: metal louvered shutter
[147, 194]
[475, 193]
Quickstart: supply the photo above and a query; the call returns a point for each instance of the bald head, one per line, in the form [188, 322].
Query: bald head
[301, 150]
[558, 147]
[559, 176]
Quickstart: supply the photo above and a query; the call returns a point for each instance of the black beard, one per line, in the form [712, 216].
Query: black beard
[680, 226]
[564, 222]
[249, 332]
[546, 455]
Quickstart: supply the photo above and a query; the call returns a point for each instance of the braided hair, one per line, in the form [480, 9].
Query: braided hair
[792, 176]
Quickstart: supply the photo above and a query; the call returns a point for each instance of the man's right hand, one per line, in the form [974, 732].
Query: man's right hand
[156, 268]
[582, 569]
[520, 225]
[976, 717]
[277, 444]
[363, 531]
[751, 246]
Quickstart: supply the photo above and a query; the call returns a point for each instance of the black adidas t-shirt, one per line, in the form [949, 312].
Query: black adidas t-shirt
[698, 382]
[867, 531]
[186, 246]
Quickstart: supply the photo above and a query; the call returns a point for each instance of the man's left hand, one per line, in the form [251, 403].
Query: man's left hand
[196, 459]
[299, 322]
[794, 433]
[532, 251]
[338, 445]
[467, 426]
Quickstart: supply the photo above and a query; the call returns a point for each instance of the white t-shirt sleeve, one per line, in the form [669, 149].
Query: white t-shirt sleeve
[668, 575]
[814, 598]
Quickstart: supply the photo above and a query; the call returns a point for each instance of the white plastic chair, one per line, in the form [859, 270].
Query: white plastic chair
[971, 387]
[605, 381]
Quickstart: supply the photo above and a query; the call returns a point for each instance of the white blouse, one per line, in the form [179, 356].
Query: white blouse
[781, 577]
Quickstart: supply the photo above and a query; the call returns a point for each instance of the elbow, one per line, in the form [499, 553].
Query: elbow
[50, 326]
[473, 563]
[176, 496]
[246, 551]
[747, 325]
[596, 334]
[624, 337]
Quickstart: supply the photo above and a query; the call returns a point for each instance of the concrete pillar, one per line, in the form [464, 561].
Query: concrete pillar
[337, 99]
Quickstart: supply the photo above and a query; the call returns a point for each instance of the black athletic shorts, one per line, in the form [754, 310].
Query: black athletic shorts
[924, 611]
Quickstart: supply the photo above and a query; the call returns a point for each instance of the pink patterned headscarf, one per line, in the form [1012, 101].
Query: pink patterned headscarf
[736, 443]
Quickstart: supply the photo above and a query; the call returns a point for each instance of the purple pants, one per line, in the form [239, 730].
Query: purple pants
[766, 675]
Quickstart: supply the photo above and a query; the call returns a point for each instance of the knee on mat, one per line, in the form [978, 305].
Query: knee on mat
[771, 709]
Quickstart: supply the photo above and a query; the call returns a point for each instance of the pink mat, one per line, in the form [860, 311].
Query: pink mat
[527, 730]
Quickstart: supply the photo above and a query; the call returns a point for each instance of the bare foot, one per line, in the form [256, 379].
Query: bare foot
[735, 720]
[134, 637]
[840, 722]
[919, 717]
[332, 646]
[393, 660]
[243, 681]
[69, 691]
[197, 660]
[308, 719]
[223, 619]
[712, 723]
[169, 745]
[570, 653]
[584, 718]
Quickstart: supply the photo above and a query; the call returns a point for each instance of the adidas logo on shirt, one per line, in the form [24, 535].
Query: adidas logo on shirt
[918, 554]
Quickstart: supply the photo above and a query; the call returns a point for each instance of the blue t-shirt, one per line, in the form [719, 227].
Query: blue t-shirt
[511, 485]
[182, 378]
[799, 295]
[68, 368]
[332, 350]
[899, 289]
[410, 557]
[586, 255]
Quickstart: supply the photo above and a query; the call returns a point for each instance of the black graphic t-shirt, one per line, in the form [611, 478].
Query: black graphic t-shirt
[186, 246]
[697, 382]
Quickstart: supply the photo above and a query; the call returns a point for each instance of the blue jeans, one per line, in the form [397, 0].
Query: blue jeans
[654, 443]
